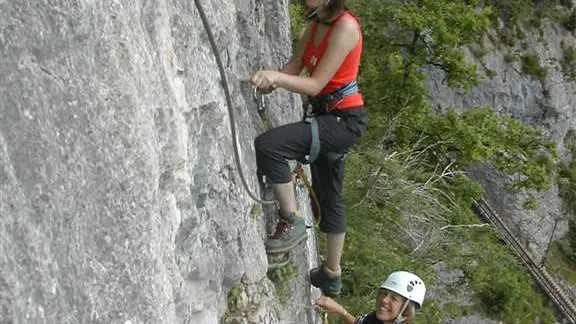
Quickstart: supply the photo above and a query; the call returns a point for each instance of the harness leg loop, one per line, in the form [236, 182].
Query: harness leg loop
[315, 144]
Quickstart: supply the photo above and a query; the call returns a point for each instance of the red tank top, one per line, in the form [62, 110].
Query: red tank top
[347, 72]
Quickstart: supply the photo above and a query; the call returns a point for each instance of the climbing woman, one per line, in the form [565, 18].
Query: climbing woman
[399, 297]
[329, 51]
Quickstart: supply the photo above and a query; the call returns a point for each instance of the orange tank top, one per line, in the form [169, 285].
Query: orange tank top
[347, 72]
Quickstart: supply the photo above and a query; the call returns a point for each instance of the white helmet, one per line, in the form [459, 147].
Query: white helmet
[407, 285]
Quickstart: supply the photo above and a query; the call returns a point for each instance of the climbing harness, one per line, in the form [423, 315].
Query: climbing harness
[298, 172]
[315, 148]
[228, 103]
[322, 105]
[328, 102]
[315, 144]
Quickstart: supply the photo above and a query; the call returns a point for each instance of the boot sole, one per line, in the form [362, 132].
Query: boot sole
[289, 247]
[330, 294]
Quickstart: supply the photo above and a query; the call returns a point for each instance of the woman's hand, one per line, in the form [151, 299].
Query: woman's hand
[266, 80]
[267, 91]
[330, 305]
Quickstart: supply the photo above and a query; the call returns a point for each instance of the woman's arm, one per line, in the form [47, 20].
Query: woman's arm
[343, 39]
[333, 307]
[348, 318]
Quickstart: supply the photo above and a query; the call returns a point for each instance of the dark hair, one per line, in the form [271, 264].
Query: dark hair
[333, 8]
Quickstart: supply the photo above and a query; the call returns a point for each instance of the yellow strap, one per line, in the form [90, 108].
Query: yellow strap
[299, 173]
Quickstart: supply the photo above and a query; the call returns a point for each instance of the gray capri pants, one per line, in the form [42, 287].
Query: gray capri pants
[338, 131]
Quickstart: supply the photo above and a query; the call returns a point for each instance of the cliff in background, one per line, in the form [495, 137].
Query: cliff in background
[119, 198]
[546, 103]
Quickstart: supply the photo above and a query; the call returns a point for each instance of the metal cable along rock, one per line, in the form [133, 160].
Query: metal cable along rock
[228, 103]
[299, 172]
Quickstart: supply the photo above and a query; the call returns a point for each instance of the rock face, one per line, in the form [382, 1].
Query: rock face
[119, 198]
[548, 106]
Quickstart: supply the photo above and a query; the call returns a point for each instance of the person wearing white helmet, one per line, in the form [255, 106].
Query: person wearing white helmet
[398, 298]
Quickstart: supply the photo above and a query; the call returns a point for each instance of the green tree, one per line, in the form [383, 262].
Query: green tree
[426, 32]
[397, 192]
[404, 38]
[511, 146]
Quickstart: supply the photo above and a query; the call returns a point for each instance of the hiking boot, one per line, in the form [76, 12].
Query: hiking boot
[290, 231]
[329, 284]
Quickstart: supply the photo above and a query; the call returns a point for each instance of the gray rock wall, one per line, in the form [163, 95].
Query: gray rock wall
[119, 198]
[548, 106]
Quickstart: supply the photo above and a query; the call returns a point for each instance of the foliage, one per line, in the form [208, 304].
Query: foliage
[256, 211]
[282, 278]
[508, 37]
[500, 283]
[396, 224]
[372, 250]
[511, 146]
[562, 257]
[567, 185]
[426, 32]
[510, 57]
[567, 175]
[530, 203]
[502, 286]
[235, 297]
[297, 21]
[406, 210]
[568, 63]
[490, 73]
[457, 311]
[513, 11]
[392, 83]
[570, 21]
[531, 66]
[418, 199]
[568, 245]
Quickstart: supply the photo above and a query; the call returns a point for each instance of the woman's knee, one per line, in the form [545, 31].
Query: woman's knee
[333, 221]
[263, 143]
[338, 227]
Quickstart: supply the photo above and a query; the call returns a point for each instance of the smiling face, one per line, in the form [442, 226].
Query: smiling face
[388, 305]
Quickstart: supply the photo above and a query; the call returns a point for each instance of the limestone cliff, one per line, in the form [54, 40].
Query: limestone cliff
[546, 104]
[119, 198]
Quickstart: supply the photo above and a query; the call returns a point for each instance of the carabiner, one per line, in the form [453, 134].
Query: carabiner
[259, 98]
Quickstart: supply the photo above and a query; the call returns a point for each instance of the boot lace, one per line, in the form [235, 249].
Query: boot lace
[282, 229]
